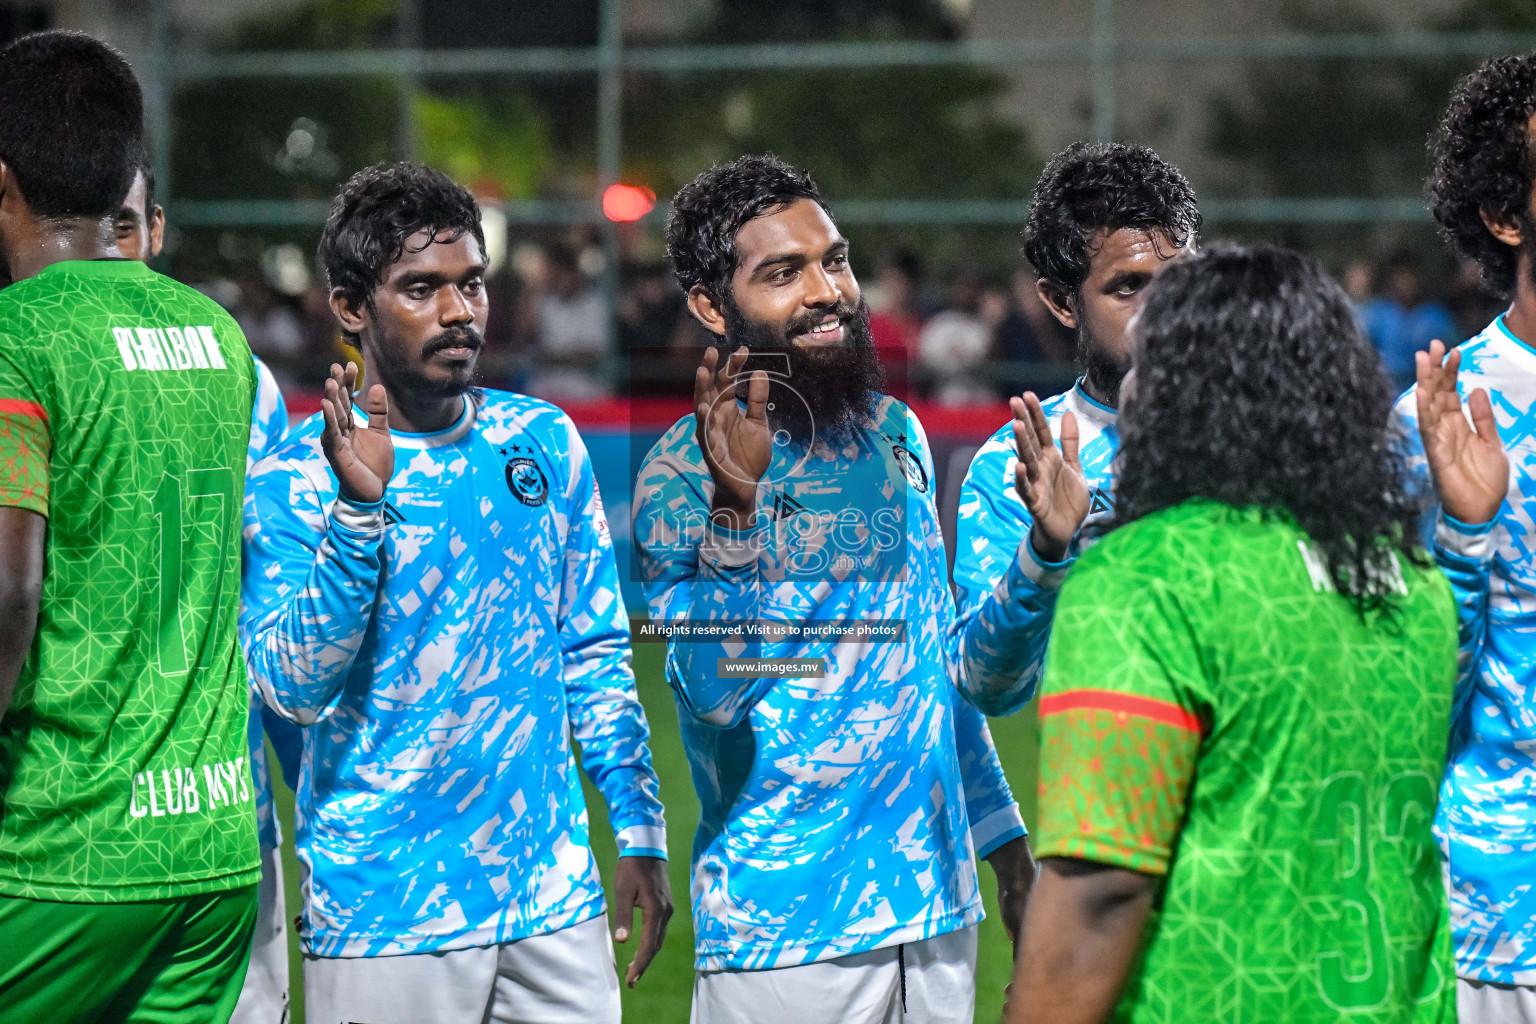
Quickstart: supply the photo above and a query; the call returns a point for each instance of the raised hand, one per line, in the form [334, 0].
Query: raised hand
[736, 446]
[362, 459]
[1467, 461]
[1049, 480]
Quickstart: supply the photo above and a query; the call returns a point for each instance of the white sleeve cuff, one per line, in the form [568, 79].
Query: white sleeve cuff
[997, 828]
[730, 549]
[642, 841]
[1474, 543]
[1043, 574]
[356, 517]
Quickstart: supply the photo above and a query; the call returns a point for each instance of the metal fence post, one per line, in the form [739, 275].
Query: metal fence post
[1102, 70]
[610, 141]
[157, 94]
[408, 38]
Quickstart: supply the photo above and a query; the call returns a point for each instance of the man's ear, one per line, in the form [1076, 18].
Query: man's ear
[1503, 226]
[706, 310]
[1059, 301]
[353, 316]
[156, 230]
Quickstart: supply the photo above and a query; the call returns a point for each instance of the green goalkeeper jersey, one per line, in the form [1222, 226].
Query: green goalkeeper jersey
[125, 409]
[1216, 713]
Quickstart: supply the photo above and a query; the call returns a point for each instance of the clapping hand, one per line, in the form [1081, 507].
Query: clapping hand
[737, 446]
[1049, 480]
[363, 459]
[1467, 461]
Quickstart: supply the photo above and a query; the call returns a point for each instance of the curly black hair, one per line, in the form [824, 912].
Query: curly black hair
[378, 209]
[709, 210]
[1254, 386]
[1482, 152]
[1093, 187]
[71, 123]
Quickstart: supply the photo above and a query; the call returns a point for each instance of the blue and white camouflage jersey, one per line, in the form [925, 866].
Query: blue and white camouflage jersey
[1006, 593]
[839, 813]
[1486, 822]
[269, 427]
[443, 647]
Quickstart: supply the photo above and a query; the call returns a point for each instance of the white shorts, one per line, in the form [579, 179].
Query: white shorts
[264, 996]
[564, 977]
[928, 982]
[1487, 1002]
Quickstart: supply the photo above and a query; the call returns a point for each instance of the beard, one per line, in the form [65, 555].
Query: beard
[1103, 370]
[400, 373]
[826, 391]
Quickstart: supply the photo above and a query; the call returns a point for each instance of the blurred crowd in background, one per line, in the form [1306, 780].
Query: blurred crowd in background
[954, 336]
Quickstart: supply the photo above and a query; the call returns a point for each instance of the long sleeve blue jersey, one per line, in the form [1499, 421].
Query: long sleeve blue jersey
[1486, 821]
[269, 427]
[1005, 592]
[839, 812]
[443, 650]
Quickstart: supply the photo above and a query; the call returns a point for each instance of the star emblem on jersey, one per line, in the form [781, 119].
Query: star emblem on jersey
[784, 506]
[917, 476]
[527, 481]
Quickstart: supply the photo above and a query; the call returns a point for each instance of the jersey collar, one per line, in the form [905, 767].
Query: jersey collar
[1096, 412]
[436, 439]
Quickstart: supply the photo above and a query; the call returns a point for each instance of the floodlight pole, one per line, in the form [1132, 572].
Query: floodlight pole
[610, 141]
[1102, 70]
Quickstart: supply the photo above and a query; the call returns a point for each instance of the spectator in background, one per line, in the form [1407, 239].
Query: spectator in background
[895, 319]
[657, 339]
[1403, 321]
[1359, 281]
[1470, 301]
[896, 316]
[1029, 333]
[956, 342]
[273, 328]
[572, 333]
[650, 307]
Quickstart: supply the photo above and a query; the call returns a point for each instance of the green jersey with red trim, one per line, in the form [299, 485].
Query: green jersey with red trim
[125, 409]
[1216, 713]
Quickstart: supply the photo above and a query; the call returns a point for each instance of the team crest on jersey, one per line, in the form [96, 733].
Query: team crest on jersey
[526, 480]
[911, 465]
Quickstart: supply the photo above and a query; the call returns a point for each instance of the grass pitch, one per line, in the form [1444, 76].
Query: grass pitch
[663, 995]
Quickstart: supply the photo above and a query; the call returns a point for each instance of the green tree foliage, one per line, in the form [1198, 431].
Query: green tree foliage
[864, 132]
[501, 148]
[1329, 127]
[300, 138]
[1342, 126]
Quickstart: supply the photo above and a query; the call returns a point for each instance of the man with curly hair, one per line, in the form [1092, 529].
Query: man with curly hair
[446, 623]
[845, 787]
[1484, 537]
[1104, 221]
[1249, 681]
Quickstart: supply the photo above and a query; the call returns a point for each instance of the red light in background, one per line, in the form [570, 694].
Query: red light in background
[625, 203]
